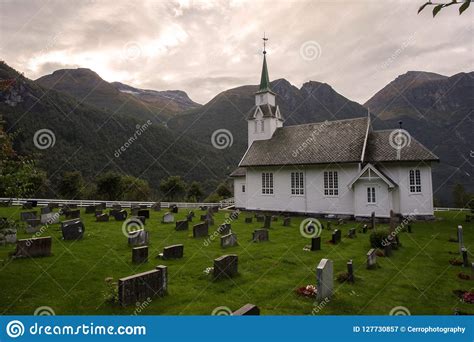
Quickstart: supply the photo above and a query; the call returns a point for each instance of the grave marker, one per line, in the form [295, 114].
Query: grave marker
[200, 230]
[371, 259]
[27, 215]
[102, 218]
[247, 310]
[286, 221]
[33, 248]
[248, 220]
[336, 236]
[72, 229]
[316, 243]
[226, 266]
[324, 280]
[182, 225]
[138, 287]
[172, 252]
[144, 212]
[138, 238]
[268, 222]
[460, 238]
[229, 240]
[352, 233]
[168, 218]
[140, 255]
[224, 229]
[260, 235]
[350, 272]
[465, 260]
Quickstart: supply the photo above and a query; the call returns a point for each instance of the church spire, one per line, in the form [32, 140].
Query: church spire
[264, 79]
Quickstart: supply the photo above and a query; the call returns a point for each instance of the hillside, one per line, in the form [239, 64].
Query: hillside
[88, 87]
[437, 110]
[87, 139]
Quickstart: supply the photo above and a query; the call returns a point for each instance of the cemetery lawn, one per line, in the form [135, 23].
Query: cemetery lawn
[72, 281]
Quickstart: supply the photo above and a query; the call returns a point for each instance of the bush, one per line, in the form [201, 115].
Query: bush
[377, 237]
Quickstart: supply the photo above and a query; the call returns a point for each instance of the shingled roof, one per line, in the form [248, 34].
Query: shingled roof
[340, 141]
[267, 111]
[379, 149]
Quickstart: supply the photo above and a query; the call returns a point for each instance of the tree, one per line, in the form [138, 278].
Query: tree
[438, 6]
[71, 184]
[110, 186]
[172, 188]
[195, 192]
[460, 196]
[135, 189]
[224, 191]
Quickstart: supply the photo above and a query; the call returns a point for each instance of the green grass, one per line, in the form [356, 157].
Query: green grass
[418, 276]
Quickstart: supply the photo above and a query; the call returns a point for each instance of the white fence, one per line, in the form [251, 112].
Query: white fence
[126, 204]
[451, 209]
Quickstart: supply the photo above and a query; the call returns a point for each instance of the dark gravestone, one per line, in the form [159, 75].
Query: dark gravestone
[465, 260]
[32, 248]
[134, 211]
[72, 229]
[203, 217]
[248, 220]
[316, 243]
[364, 229]
[200, 230]
[224, 229]
[73, 214]
[174, 208]
[209, 220]
[138, 238]
[328, 225]
[102, 218]
[268, 222]
[120, 215]
[142, 219]
[144, 213]
[214, 209]
[247, 310]
[182, 225]
[226, 266]
[140, 255]
[229, 240]
[90, 209]
[27, 215]
[260, 235]
[409, 228]
[352, 233]
[156, 206]
[350, 271]
[140, 287]
[190, 216]
[45, 210]
[286, 221]
[387, 249]
[336, 236]
[172, 252]
[260, 218]
[33, 226]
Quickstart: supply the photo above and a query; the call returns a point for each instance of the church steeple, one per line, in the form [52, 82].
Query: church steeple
[264, 79]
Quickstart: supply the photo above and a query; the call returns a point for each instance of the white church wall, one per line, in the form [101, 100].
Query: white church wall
[239, 194]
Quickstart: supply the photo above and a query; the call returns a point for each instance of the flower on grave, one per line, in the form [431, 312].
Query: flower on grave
[307, 291]
[468, 297]
[208, 270]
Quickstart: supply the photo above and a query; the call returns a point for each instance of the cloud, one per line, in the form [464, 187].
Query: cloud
[205, 47]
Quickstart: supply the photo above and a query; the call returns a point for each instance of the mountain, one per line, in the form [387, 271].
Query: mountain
[437, 110]
[313, 102]
[88, 87]
[86, 138]
[176, 100]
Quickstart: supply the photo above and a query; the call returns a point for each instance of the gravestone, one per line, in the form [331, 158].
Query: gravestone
[134, 211]
[200, 230]
[140, 255]
[286, 221]
[144, 212]
[102, 218]
[268, 222]
[34, 247]
[460, 238]
[316, 243]
[229, 240]
[328, 225]
[50, 218]
[182, 225]
[465, 260]
[247, 310]
[156, 206]
[168, 218]
[90, 209]
[352, 233]
[33, 226]
[98, 212]
[140, 287]
[350, 272]
[372, 219]
[226, 266]
[209, 220]
[203, 218]
[174, 208]
[73, 214]
[409, 228]
[27, 215]
[248, 220]
[45, 210]
[134, 206]
[72, 229]
[190, 216]
[142, 219]
[336, 236]
[371, 259]
[324, 280]
[138, 238]
[260, 235]
[120, 215]
[172, 252]
[387, 249]
[364, 229]
[260, 218]
[224, 229]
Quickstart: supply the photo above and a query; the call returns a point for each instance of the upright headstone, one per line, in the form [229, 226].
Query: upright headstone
[316, 243]
[90, 209]
[224, 229]
[387, 249]
[182, 225]
[120, 215]
[72, 229]
[172, 252]
[190, 216]
[460, 238]
[138, 238]
[260, 235]
[140, 255]
[336, 236]
[140, 287]
[73, 214]
[248, 220]
[268, 222]
[352, 233]
[226, 266]
[50, 218]
[286, 221]
[371, 259]
[34, 247]
[33, 226]
[465, 260]
[144, 212]
[156, 206]
[200, 230]
[350, 272]
[168, 218]
[324, 280]
[45, 210]
[364, 229]
[27, 215]
[174, 208]
[229, 240]
[102, 218]
[247, 310]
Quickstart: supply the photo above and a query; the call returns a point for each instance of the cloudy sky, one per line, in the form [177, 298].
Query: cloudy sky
[205, 47]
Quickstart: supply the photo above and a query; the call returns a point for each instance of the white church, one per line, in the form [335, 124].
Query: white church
[342, 168]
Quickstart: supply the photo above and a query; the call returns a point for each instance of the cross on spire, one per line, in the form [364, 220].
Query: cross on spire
[264, 43]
